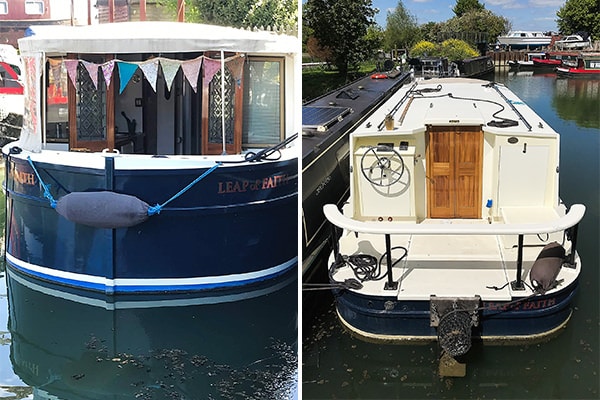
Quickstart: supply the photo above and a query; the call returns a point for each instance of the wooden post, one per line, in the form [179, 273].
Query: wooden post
[111, 10]
[142, 10]
[180, 10]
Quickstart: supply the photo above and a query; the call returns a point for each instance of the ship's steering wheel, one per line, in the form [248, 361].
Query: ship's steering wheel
[386, 169]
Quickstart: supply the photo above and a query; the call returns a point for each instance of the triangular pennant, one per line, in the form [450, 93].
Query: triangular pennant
[107, 69]
[55, 69]
[150, 70]
[191, 70]
[169, 68]
[92, 70]
[236, 67]
[211, 67]
[126, 71]
[71, 66]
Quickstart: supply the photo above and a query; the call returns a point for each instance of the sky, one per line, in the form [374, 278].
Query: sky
[527, 15]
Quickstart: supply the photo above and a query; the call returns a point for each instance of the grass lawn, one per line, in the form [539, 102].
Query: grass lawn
[318, 81]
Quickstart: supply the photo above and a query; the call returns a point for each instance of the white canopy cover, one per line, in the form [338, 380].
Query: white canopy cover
[153, 37]
[130, 38]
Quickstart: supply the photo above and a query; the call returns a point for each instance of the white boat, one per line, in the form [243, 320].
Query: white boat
[525, 39]
[528, 63]
[155, 157]
[573, 42]
[454, 228]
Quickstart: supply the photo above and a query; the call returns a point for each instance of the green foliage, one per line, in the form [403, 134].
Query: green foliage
[464, 6]
[402, 30]
[341, 26]
[239, 13]
[580, 15]
[478, 21]
[453, 49]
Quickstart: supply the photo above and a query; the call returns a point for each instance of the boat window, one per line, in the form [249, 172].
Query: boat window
[57, 107]
[90, 106]
[34, 7]
[263, 102]
[3, 8]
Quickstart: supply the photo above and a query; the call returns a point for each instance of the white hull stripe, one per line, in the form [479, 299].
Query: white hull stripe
[143, 284]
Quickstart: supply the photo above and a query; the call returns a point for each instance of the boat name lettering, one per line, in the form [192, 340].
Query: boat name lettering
[249, 185]
[528, 305]
[24, 178]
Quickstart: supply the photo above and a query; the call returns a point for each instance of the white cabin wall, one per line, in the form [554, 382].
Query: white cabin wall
[293, 96]
[489, 184]
[527, 174]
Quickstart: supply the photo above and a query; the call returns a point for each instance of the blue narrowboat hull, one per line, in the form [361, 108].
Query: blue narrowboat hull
[237, 226]
[380, 318]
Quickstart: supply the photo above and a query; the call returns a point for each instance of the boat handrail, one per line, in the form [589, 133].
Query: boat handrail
[572, 218]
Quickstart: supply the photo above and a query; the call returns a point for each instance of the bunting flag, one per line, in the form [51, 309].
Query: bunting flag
[191, 70]
[236, 67]
[107, 69]
[150, 70]
[169, 69]
[92, 70]
[211, 67]
[71, 66]
[55, 69]
[126, 71]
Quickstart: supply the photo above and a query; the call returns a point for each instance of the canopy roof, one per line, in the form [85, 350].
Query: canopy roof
[153, 37]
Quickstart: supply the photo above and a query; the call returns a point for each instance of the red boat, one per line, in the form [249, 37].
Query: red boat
[555, 59]
[588, 66]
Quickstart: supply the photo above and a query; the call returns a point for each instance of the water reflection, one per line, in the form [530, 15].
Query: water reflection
[578, 100]
[230, 346]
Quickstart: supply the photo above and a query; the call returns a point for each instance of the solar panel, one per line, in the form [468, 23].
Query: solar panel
[321, 118]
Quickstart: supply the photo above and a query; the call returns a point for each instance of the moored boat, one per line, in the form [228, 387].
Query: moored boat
[154, 157]
[527, 63]
[525, 40]
[454, 229]
[11, 94]
[571, 42]
[587, 66]
[555, 59]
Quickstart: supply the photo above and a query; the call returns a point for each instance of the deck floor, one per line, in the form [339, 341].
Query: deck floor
[453, 266]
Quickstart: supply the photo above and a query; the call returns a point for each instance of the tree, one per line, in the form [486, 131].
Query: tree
[239, 13]
[341, 26]
[464, 6]
[402, 30]
[580, 15]
[483, 21]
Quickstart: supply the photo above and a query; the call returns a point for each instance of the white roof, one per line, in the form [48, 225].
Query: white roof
[153, 37]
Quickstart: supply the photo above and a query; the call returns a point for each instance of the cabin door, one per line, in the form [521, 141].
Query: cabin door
[454, 171]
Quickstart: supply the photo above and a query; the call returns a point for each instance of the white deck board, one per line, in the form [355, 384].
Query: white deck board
[453, 266]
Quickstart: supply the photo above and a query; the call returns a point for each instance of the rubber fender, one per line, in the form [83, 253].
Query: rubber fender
[546, 267]
[103, 209]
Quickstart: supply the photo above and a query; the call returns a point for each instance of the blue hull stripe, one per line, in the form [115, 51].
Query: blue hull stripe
[126, 285]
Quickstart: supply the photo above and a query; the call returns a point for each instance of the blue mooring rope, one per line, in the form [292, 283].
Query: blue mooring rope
[152, 210]
[46, 188]
[157, 208]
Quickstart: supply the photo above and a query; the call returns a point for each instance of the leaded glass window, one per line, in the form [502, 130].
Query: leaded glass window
[216, 111]
[91, 107]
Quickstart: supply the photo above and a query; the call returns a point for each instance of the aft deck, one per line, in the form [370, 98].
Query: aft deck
[458, 265]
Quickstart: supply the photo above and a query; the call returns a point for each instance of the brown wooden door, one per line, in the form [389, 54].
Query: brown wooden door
[454, 169]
